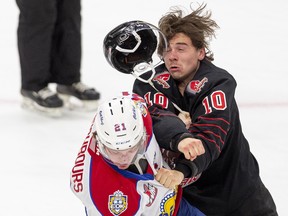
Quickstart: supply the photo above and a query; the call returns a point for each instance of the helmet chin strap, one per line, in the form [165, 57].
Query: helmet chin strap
[142, 68]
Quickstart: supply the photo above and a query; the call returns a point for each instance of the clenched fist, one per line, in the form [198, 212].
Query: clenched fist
[191, 148]
[169, 178]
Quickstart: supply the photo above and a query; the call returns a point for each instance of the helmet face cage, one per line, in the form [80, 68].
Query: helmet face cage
[132, 43]
[119, 126]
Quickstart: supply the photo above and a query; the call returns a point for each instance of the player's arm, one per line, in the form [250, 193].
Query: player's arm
[211, 123]
[190, 147]
[165, 118]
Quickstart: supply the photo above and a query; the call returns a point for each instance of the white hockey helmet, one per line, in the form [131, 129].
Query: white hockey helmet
[119, 124]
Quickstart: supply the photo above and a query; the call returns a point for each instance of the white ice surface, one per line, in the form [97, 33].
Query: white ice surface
[37, 152]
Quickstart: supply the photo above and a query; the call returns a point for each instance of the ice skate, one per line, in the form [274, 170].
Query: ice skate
[79, 96]
[44, 101]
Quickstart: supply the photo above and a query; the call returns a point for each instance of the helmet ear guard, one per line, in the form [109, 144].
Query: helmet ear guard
[129, 47]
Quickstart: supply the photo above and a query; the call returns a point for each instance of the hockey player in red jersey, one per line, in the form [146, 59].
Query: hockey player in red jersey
[229, 182]
[115, 167]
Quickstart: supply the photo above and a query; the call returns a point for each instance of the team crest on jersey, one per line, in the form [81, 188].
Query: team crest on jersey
[118, 203]
[167, 205]
[162, 79]
[151, 192]
[195, 86]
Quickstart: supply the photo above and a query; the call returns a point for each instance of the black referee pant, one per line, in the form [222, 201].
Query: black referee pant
[49, 42]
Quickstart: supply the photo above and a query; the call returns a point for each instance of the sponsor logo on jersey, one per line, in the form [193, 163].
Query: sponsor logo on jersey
[118, 203]
[101, 117]
[151, 192]
[162, 79]
[195, 86]
[167, 205]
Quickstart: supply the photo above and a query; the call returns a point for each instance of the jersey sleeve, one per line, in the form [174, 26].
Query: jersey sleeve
[165, 120]
[211, 120]
[209, 98]
[163, 113]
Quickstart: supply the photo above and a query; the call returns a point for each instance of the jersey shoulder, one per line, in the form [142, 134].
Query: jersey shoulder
[214, 72]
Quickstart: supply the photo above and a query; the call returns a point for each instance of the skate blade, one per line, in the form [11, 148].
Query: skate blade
[30, 105]
[73, 103]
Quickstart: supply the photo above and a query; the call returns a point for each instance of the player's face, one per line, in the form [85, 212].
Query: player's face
[182, 59]
[122, 159]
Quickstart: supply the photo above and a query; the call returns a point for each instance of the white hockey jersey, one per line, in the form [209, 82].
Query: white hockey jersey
[106, 190]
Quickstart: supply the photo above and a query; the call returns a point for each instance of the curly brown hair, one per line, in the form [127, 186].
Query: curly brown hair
[197, 25]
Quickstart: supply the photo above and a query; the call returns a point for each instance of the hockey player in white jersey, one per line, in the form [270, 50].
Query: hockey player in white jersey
[116, 168]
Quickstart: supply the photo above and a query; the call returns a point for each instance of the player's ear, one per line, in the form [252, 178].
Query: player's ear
[201, 54]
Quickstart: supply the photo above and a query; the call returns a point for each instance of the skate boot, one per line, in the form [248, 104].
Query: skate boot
[44, 101]
[79, 95]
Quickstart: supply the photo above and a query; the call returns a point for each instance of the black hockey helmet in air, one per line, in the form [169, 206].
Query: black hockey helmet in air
[130, 44]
